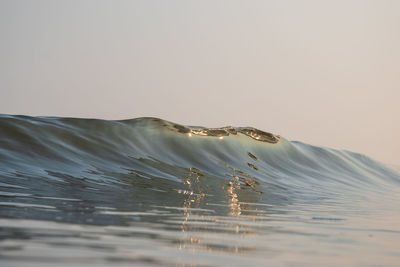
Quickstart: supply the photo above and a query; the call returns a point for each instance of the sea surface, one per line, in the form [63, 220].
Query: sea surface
[148, 192]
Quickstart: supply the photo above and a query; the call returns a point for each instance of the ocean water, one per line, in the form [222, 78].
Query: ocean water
[148, 192]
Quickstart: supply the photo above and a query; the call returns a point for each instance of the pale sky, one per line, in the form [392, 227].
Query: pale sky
[322, 72]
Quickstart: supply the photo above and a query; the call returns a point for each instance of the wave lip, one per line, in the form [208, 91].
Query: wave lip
[254, 133]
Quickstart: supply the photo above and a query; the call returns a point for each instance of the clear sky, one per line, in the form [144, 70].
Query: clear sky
[322, 72]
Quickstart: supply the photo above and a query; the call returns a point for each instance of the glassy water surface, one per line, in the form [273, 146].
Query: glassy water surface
[151, 192]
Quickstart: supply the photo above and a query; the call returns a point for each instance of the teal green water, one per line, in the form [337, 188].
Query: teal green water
[151, 192]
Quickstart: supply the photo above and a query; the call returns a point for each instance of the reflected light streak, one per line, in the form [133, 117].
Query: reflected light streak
[234, 200]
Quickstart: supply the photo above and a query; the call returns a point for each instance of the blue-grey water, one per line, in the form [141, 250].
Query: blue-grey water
[85, 192]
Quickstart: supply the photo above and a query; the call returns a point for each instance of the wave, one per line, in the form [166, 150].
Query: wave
[101, 151]
[108, 187]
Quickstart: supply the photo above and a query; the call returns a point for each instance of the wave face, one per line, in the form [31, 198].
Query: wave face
[149, 191]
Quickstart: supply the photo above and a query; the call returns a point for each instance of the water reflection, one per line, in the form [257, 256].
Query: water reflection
[198, 212]
[194, 201]
[234, 200]
[199, 219]
[210, 222]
